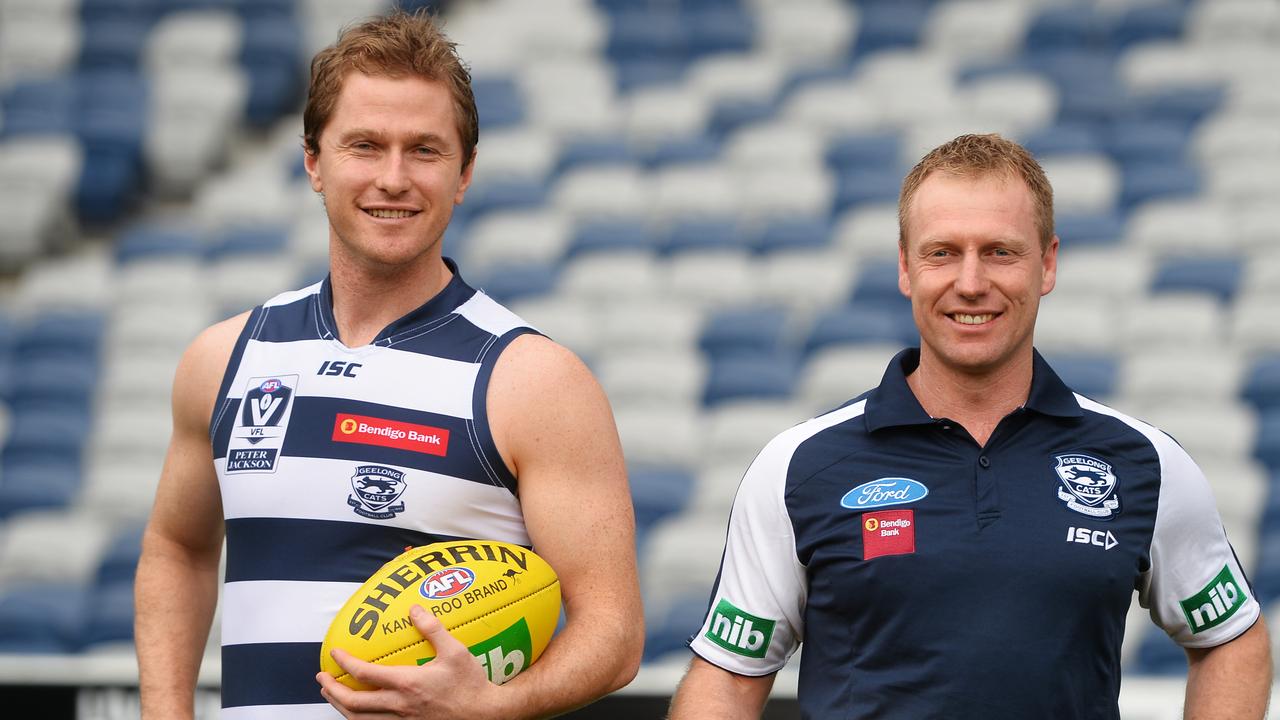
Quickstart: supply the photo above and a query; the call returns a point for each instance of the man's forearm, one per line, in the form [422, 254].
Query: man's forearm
[175, 596]
[585, 661]
[710, 693]
[1231, 681]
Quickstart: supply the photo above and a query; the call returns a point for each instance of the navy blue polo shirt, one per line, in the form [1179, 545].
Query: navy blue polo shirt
[930, 577]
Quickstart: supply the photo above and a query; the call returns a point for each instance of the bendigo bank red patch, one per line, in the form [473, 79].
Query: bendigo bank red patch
[390, 433]
[888, 532]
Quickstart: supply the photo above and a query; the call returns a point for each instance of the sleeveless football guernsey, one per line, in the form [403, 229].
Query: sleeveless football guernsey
[332, 460]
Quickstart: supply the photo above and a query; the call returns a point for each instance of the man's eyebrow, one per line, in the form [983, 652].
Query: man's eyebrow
[425, 138]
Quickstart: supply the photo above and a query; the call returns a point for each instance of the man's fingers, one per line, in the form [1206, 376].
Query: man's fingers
[434, 631]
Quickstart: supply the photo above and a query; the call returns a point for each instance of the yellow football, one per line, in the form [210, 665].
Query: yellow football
[500, 600]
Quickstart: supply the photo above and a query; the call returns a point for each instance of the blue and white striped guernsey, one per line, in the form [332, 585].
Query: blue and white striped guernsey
[332, 460]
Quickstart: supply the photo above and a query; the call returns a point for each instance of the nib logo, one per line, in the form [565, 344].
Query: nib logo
[504, 655]
[739, 632]
[1216, 602]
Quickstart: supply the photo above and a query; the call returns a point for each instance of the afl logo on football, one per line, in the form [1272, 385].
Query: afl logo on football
[446, 583]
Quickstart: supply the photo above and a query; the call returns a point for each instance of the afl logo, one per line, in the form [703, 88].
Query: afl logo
[270, 386]
[446, 583]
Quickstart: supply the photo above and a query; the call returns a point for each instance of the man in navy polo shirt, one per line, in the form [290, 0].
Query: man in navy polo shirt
[964, 540]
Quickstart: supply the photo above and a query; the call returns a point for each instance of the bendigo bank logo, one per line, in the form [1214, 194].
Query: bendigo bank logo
[376, 487]
[365, 430]
[260, 426]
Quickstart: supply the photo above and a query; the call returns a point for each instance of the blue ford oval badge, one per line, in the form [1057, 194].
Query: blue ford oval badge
[884, 492]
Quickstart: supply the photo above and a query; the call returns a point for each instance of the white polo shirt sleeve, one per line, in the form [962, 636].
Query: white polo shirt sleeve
[1195, 588]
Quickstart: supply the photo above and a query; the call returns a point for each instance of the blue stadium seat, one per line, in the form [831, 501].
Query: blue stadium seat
[1138, 140]
[250, 240]
[1267, 446]
[1185, 106]
[1077, 229]
[1064, 139]
[1144, 181]
[502, 194]
[877, 284]
[1144, 23]
[29, 483]
[75, 333]
[1160, 655]
[592, 152]
[889, 24]
[39, 107]
[1073, 27]
[510, 283]
[109, 617]
[671, 632]
[862, 150]
[119, 561]
[793, 233]
[723, 29]
[729, 115]
[856, 186]
[255, 10]
[271, 54]
[1266, 578]
[146, 241]
[703, 234]
[695, 149]
[1088, 90]
[1219, 276]
[861, 323]
[41, 619]
[744, 331]
[54, 382]
[1262, 383]
[1092, 375]
[94, 11]
[115, 43]
[611, 236]
[656, 494]
[40, 433]
[764, 376]
[499, 102]
[640, 33]
[640, 72]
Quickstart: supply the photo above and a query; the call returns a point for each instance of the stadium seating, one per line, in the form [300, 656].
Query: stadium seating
[697, 197]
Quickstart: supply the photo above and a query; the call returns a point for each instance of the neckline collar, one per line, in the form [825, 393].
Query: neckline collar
[437, 308]
[892, 404]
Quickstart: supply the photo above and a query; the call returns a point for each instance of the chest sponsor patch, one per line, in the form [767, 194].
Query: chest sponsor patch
[366, 430]
[1088, 485]
[888, 532]
[884, 492]
[259, 430]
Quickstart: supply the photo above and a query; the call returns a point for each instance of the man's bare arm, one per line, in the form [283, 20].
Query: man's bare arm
[1230, 681]
[708, 692]
[177, 582]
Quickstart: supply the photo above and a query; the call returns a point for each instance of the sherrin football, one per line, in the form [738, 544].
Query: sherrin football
[500, 600]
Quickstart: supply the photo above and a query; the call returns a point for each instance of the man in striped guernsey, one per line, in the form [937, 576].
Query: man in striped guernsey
[964, 541]
[389, 405]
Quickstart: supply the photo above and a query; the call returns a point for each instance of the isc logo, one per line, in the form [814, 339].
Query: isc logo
[338, 368]
[1085, 536]
[446, 583]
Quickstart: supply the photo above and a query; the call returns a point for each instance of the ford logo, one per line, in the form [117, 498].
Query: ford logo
[884, 492]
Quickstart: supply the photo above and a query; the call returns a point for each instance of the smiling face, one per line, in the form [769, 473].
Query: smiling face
[390, 168]
[975, 271]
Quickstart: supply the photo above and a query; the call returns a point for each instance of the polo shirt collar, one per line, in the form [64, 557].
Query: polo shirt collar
[892, 403]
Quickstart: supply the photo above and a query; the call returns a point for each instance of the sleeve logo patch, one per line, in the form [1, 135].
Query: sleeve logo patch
[888, 532]
[739, 632]
[1215, 603]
